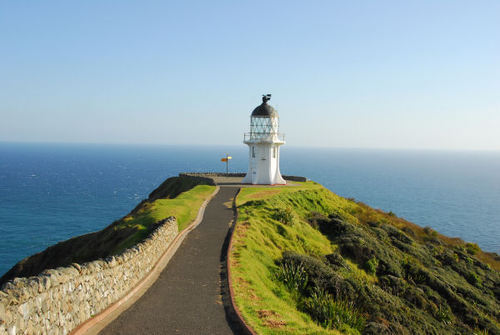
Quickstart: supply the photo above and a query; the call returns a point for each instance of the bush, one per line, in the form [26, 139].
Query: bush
[472, 248]
[443, 314]
[319, 274]
[314, 218]
[474, 279]
[285, 216]
[371, 265]
[293, 276]
[431, 232]
[397, 234]
[333, 314]
[408, 231]
[337, 261]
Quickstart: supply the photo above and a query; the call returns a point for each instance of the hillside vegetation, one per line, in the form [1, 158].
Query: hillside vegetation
[306, 261]
[178, 196]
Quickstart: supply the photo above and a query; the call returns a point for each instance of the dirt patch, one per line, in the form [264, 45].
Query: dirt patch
[264, 193]
[240, 231]
[275, 323]
[253, 296]
[271, 319]
[242, 282]
[243, 288]
[264, 314]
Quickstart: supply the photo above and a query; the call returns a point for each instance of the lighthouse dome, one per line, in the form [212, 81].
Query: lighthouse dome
[265, 110]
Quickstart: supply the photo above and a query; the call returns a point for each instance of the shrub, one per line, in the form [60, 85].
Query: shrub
[371, 265]
[397, 234]
[448, 257]
[389, 267]
[293, 276]
[320, 275]
[392, 284]
[472, 248]
[285, 216]
[431, 232]
[443, 314]
[316, 270]
[356, 248]
[314, 218]
[474, 279]
[333, 314]
[408, 231]
[337, 261]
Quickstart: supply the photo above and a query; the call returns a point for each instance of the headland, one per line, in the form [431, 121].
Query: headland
[302, 260]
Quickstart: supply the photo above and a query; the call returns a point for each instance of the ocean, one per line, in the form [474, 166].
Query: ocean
[51, 192]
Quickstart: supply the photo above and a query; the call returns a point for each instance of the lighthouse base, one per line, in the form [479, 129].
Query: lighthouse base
[263, 181]
[256, 177]
[264, 163]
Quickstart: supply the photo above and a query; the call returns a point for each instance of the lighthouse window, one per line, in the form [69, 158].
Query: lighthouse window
[274, 152]
[253, 152]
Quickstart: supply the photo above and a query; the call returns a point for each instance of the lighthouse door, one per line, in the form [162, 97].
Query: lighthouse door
[253, 162]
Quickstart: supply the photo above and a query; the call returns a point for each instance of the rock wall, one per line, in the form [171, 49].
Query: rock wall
[207, 175]
[58, 300]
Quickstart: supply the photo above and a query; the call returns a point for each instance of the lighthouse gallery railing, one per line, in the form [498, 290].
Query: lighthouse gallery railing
[253, 136]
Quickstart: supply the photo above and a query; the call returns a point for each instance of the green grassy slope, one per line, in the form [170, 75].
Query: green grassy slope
[306, 261]
[178, 196]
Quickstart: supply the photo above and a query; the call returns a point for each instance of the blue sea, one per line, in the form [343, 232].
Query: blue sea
[51, 192]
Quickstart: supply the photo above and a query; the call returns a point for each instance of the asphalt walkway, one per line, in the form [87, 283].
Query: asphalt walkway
[190, 296]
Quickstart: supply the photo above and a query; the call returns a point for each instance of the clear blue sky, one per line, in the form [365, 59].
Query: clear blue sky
[366, 74]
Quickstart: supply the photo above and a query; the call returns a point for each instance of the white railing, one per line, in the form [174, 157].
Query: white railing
[271, 137]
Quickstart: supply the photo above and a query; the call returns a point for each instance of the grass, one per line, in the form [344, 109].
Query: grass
[306, 261]
[263, 193]
[259, 241]
[184, 208]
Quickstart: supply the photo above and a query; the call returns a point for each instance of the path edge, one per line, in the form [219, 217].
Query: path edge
[95, 324]
[245, 326]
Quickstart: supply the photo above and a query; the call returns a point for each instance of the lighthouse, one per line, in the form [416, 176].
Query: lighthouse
[264, 141]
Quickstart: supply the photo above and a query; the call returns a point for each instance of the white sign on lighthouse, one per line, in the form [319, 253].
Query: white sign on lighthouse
[264, 141]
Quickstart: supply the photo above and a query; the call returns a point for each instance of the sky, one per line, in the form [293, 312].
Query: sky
[349, 74]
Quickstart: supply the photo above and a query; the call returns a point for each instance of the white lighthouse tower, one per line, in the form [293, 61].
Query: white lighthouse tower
[264, 141]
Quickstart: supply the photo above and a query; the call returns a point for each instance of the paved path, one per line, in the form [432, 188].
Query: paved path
[190, 294]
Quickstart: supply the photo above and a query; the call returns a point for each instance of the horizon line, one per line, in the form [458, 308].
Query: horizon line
[234, 145]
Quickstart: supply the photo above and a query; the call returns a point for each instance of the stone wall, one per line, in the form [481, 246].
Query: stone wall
[58, 300]
[295, 178]
[212, 174]
[207, 175]
[200, 176]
